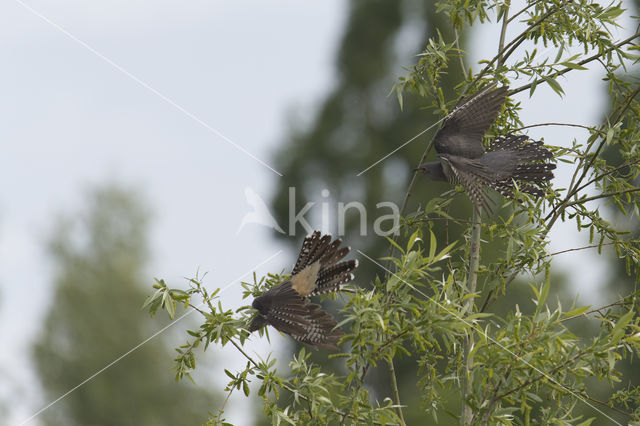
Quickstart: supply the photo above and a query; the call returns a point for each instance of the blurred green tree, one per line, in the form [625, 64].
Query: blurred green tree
[95, 317]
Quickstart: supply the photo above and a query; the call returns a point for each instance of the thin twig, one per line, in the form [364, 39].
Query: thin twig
[514, 45]
[581, 248]
[547, 375]
[557, 210]
[592, 129]
[597, 197]
[524, 10]
[505, 377]
[394, 386]
[457, 43]
[583, 62]
[618, 302]
[472, 279]
[608, 172]
[503, 34]
[405, 201]
[287, 387]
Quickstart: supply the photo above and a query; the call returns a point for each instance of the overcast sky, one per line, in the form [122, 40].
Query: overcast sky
[160, 95]
[72, 120]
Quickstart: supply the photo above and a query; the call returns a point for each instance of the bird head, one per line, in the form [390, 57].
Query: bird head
[432, 169]
[261, 304]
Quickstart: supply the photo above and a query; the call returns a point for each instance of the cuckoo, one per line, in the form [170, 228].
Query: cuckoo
[286, 307]
[508, 159]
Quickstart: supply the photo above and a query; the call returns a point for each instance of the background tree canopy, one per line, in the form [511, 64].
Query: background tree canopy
[99, 256]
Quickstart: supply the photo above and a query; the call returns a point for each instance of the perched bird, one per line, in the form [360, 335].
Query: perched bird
[463, 160]
[286, 306]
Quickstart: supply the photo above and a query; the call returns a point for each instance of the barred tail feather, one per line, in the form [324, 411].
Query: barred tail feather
[313, 247]
[531, 190]
[333, 276]
[506, 188]
[526, 150]
[318, 251]
[507, 142]
[317, 248]
[334, 256]
[534, 172]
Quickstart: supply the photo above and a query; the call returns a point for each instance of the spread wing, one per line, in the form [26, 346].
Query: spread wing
[284, 308]
[473, 176]
[462, 130]
[319, 333]
[318, 270]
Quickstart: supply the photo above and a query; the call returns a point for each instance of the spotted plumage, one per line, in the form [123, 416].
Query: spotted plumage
[509, 158]
[318, 270]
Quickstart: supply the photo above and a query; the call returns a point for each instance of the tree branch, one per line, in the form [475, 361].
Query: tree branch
[472, 279]
[597, 197]
[583, 62]
[514, 45]
[394, 386]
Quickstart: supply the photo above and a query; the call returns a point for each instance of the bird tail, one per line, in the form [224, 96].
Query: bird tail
[333, 273]
[528, 154]
[534, 172]
[506, 188]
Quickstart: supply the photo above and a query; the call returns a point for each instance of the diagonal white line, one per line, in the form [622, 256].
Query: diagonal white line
[145, 85]
[494, 341]
[401, 146]
[124, 355]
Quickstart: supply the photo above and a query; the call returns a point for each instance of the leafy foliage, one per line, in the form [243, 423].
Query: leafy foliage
[522, 367]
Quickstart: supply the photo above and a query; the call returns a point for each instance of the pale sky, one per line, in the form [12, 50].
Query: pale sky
[72, 120]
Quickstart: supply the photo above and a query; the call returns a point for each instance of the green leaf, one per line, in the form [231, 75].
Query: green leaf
[395, 244]
[444, 252]
[554, 85]
[151, 298]
[610, 133]
[618, 330]
[432, 245]
[576, 312]
[415, 237]
[545, 290]
[392, 282]
[573, 65]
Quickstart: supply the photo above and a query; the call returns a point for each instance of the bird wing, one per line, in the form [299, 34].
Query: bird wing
[306, 322]
[287, 310]
[473, 176]
[286, 306]
[462, 130]
[320, 333]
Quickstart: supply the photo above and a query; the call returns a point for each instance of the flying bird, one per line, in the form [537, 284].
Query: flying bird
[286, 306]
[509, 158]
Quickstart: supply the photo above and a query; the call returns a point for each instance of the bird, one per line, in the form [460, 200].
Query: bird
[463, 160]
[287, 308]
